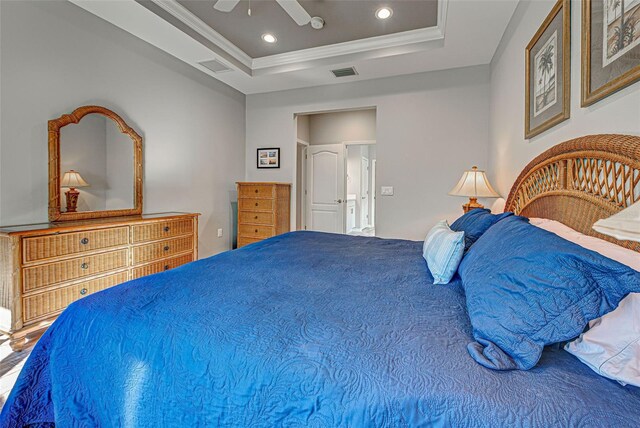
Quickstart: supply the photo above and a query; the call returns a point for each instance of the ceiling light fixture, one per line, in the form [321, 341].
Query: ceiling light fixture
[269, 38]
[384, 13]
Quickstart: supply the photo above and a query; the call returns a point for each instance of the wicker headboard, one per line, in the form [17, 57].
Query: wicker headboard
[580, 181]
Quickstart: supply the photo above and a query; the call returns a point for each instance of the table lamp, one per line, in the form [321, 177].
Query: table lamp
[71, 179]
[474, 184]
[624, 225]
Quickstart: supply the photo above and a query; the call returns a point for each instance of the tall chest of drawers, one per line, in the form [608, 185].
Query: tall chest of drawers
[263, 211]
[45, 267]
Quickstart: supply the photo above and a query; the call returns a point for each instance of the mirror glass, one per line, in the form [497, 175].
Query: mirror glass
[96, 166]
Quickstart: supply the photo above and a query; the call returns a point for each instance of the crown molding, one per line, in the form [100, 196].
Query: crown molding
[196, 24]
[383, 42]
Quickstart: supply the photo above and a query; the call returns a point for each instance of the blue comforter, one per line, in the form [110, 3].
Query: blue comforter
[305, 329]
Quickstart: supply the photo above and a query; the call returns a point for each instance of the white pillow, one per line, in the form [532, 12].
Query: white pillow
[443, 249]
[498, 206]
[611, 346]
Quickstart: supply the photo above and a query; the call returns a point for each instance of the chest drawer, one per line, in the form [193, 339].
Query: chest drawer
[48, 303]
[161, 230]
[256, 191]
[255, 231]
[161, 266]
[161, 249]
[68, 270]
[246, 241]
[64, 244]
[246, 204]
[247, 217]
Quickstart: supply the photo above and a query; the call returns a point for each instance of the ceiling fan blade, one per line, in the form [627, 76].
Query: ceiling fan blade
[295, 11]
[225, 5]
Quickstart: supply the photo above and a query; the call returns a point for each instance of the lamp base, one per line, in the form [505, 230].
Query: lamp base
[471, 205]
[72, 200]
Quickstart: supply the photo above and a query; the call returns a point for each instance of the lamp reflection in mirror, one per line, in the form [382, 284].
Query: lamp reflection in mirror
[72, 179]
[474, 184]
[624, 225]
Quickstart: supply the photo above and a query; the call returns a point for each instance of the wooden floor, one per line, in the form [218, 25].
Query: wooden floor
[10, 365]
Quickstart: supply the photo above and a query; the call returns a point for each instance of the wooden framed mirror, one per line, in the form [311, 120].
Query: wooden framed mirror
[95, 166]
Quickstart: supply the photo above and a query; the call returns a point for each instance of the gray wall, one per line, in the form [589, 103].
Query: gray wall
[329, 128]
[55, 57]
[509, 151]
[430, 127]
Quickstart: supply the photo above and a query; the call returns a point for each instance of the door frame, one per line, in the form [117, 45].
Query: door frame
[303, 183]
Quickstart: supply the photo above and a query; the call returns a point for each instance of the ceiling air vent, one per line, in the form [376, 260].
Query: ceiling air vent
[215, 66]
[344, 72]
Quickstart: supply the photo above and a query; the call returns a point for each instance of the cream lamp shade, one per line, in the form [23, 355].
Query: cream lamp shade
[624, 225]
[72, 179]
[474, 183]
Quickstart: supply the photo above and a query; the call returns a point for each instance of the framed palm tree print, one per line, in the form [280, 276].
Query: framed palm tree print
[610, 47]
[548, 72]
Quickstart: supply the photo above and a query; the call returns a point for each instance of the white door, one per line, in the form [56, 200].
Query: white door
[364, 194]
[325, 188]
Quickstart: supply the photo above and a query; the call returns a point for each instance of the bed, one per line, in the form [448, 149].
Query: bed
[313, 329]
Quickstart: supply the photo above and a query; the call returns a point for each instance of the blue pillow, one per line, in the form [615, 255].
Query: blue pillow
[443, 250]
[527, 288]
[475, 223]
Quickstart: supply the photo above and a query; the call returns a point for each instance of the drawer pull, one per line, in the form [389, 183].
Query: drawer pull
[166, 248]
[166, 228]
[255, 218]
[256, 190]
[84, 266]
[256, 204]
[84, 241]
[166, 267]
[256, 230]
[83, 291]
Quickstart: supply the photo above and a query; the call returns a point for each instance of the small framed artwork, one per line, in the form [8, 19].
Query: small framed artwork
[548, 72]
[269, 158]
[610, 47]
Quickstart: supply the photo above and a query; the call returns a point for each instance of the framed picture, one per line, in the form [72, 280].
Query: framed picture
[610, 47]
[548, 72]
[269, 158]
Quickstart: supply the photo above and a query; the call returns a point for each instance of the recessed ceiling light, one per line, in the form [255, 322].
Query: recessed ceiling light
[384, 13]
[269, 38]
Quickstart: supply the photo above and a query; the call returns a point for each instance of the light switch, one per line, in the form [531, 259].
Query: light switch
[386, 190]
[219, 233]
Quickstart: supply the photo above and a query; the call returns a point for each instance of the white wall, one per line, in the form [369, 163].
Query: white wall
[430, 127]
[56, 57]
[336, 127]
[509, 151]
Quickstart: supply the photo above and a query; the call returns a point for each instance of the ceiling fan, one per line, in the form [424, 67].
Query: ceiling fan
[292, 7]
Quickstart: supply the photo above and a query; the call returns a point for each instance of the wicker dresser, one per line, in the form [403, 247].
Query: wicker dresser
[45, 267]
[263, 211]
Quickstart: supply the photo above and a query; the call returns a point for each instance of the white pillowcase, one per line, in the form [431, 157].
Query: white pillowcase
[611, 346]
[443, 250]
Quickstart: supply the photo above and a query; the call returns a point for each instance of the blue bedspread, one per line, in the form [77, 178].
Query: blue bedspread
[301, 330]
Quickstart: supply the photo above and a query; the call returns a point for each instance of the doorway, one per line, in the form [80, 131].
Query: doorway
[335, 177]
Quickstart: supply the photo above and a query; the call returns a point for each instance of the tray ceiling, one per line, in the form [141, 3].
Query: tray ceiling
[345, 21]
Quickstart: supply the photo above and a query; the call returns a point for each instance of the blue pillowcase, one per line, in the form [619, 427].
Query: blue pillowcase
[443, 250]
[527, 288]
[475, 223]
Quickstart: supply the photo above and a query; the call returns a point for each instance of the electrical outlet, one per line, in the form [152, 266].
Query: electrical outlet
[219, 233]
[386, 191]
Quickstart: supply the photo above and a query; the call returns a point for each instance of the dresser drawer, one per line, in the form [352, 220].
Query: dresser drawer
[161, 249]
[246, 204]
[242, 241]
[162, 230]
[256, 191]
[68, 270]
[248, 217]
[63, 244]
[50, 302]
[161, 266]
[254, 231]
